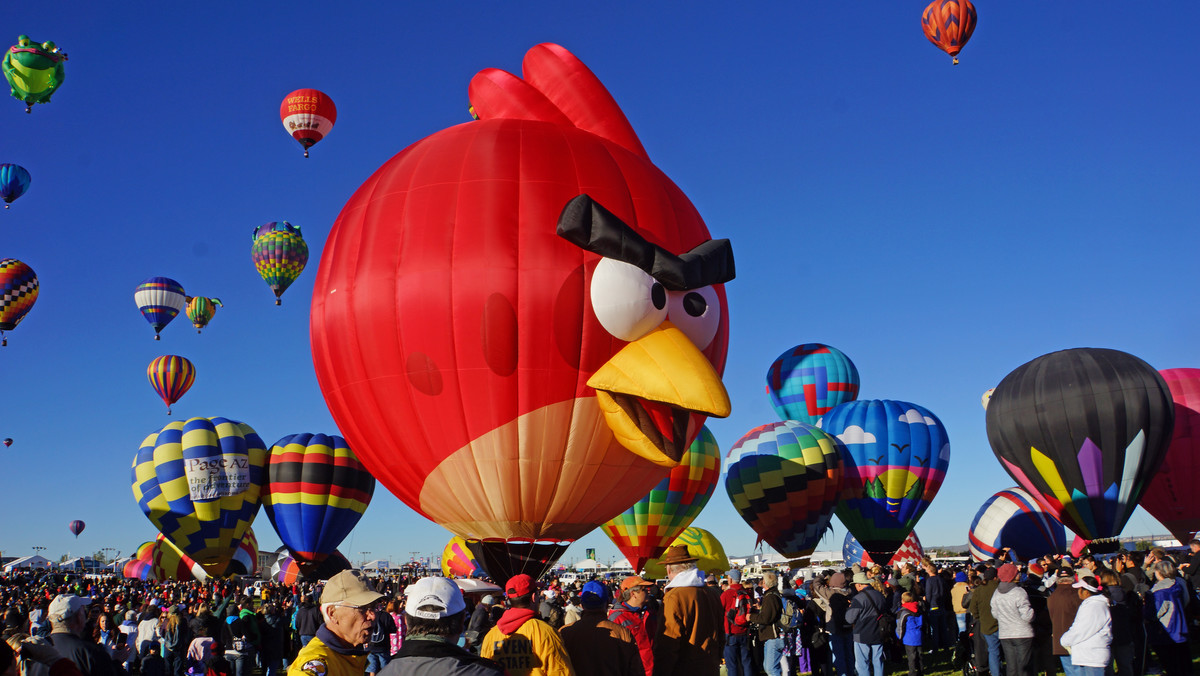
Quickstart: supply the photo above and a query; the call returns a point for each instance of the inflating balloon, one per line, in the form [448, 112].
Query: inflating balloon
[1171, 495]
[159, 299]
[987, 397]
[807, 381]
[785, 479]
[1015, 520]
[1084, 430]
[280, 254]
[168, 563]
[910, 551]
[308, 115]
[287, 571]
[316, 492]
[645, 530]
[76, 527]
[701, 544]
[435, 389]
[949, 24]
[198, 481]
[201, 310]
[245, 557]
[457, 559]
[14, 181]
[171, 376]
[34, 72]
[896, 457]
[18, 293]
[138, 569]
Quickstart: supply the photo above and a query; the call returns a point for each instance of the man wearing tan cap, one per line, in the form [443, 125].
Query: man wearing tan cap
[348, 608]
[693, 637]
[634, 613]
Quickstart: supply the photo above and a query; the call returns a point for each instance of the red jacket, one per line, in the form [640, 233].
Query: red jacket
[643, 625]
[728, 597]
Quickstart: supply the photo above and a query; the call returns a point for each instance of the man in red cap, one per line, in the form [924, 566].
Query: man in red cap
[523, 644]
[693, 634]
[738, 658]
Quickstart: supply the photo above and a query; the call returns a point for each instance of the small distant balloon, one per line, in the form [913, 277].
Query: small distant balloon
[280, 254]
[200, 310]
[159, 299]
[949, 24]
[308, 115]
[8, 442]
[171, 376]
[14, 181]
[76, 527]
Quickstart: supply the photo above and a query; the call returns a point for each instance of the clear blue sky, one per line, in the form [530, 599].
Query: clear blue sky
[941, 225]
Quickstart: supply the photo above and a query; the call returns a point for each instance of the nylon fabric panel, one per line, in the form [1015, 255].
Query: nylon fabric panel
[1171, 494]
[1015, 519]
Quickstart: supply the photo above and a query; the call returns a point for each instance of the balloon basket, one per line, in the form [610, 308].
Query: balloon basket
[156, 337]
[955, 61]
[28, 109]
[278, 301]
[306, 152]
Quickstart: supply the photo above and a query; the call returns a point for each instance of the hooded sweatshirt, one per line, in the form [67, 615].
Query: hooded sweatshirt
[526, 646]
[1090, 634]
[1010, 607]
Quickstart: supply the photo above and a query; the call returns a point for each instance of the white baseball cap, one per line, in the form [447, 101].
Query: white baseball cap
[437, 592]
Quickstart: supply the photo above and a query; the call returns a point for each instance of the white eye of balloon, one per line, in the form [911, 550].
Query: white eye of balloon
[628, 302]
[696, 313]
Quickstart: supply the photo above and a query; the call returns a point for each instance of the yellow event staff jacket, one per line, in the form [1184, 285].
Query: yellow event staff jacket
[327, 655]
[526, 646]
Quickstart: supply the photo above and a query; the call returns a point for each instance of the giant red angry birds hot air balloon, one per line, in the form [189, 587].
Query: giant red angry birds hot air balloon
[949, 24]
[515, 382]
[1169, 497]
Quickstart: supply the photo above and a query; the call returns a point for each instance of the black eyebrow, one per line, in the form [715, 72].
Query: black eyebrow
[587, 224]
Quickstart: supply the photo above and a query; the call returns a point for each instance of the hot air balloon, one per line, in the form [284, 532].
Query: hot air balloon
[76, 527]
[645, 530]
[987, 396]
[8, 442]
[201, 310]
[701, 544]
[1015, 519]
[159, 300]
[1084, 430]
[245, 557]
[14, 181]
[198, 481]
[307, 115]
[433, 389]
[279, 255]
[287, 571]
[807, 381]
[896, 458]
[316, 492]
[171, 376]
[911, 551]
[137, 569]
[34, 71]
[168, 563]
[18, 293]
[1169, 497]
[457, 559]
[948, 24]
[784, 479]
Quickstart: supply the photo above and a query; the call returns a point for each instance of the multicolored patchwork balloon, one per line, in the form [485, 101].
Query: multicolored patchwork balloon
[701, 544]
[784, 479]
[1171, 496]
[14, 181]
[645, 530]
[896, 455]
[199, 482]
[807, 381]
[1085, 430]
[308, 115]
[201, 310]
[853, 552]
[159, 299]
[316, 492]
[457, 559]
[949, 24]
[280, 254]
[171, 376]
[18, 293]
[1015, 519]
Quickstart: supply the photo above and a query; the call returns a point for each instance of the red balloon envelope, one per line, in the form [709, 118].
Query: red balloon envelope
[308, 115]
[1170, 498]
[948, 24]
[456, 335]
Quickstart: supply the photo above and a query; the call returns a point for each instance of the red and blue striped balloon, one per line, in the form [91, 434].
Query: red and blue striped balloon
[1012, 518]
[171, 376]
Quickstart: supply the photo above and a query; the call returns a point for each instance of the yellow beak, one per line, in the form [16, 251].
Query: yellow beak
[655, 391]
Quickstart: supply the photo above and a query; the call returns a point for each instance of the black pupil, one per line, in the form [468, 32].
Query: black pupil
[658, 295]
[694, 304]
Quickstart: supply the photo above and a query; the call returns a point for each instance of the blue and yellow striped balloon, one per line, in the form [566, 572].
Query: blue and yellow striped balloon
[199, 482]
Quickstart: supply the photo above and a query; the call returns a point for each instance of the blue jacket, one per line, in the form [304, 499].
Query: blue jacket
[908, 626]
[1165, 618]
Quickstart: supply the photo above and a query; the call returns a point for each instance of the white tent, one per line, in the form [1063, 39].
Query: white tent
[29, 562]
[378, 564]
[589, 564]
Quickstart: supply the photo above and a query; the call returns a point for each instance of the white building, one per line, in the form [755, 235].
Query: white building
[29, 562]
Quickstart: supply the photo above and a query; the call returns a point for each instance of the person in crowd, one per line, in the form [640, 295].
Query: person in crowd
[175, 641]
[1166, 620]
[834, 592]
[106, 634]
[909, 630]
[634, 612]
[308, 619]
[738, 656]
[551, 609]
[957, 593]
[864, 614]
[273, 628]
[481, 621]
[1063, 603]
[67, 615]
[379, 642]
[1014, 619]
[200, 652]
[1125, 618]
[395, 608]
[152, 662]
[938, 614]
[20, 652]
[520, 642]
[692, 638]
[598, 646]
[347, 606]
[986, 626]
[435, 613]
[147, 628]
[767, 618]
[1090, 634]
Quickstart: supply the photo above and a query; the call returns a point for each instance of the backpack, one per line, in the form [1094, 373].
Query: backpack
[887, 625]
[789, 618]
[739, 614]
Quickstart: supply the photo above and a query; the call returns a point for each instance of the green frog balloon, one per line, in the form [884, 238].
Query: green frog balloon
[34, 72]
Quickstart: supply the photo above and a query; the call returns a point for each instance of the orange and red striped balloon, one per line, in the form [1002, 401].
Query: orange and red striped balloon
[171, 376]
[948, 24]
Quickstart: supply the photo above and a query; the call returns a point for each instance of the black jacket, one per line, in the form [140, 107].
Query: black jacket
[430, 658]
[308, 620]
[865, 609]
[767, 617]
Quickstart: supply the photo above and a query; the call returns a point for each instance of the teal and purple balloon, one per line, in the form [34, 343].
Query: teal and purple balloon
[897, 455]
[14, 181]
[809, 380]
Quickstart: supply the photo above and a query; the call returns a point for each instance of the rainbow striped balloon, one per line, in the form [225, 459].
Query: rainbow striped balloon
[171, 376]
[457, 559]
[645, 530]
